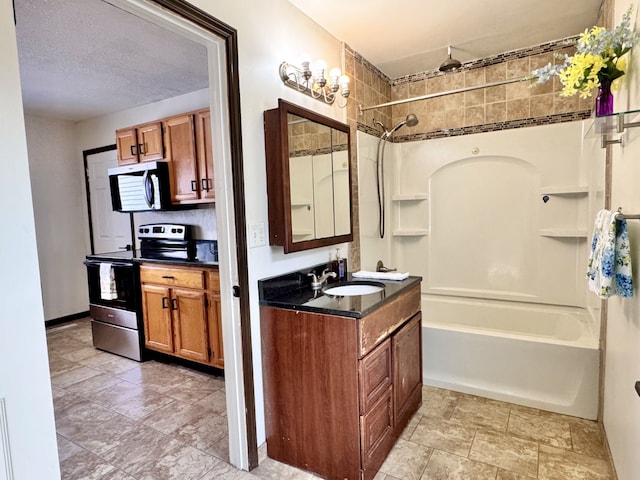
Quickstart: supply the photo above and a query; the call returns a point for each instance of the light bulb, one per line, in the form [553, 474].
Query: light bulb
[335, 73]
[344, 81]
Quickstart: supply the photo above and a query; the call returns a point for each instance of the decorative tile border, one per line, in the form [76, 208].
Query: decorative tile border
[488, 127]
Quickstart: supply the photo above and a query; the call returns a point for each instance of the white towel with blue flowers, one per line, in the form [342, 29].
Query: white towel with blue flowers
[609, 269]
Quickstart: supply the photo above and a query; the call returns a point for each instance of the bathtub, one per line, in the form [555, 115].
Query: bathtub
[539, 356]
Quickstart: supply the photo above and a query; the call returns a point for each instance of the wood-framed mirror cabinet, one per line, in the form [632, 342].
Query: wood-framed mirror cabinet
[308, 178]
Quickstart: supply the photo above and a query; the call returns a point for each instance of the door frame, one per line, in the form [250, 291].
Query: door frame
[87, 186]
[243, 381]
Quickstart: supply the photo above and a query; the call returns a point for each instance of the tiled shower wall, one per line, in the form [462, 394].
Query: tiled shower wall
[501, 107]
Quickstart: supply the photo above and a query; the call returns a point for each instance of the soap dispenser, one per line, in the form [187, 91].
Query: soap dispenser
[340, 266]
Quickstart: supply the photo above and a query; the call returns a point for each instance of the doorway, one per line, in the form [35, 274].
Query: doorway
[220, 41]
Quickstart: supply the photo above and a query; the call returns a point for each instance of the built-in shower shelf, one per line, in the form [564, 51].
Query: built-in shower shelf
[411, 232]
[564, 233]
[410, 197]
[565, 190]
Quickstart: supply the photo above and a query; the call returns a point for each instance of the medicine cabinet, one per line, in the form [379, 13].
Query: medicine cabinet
[308, 178]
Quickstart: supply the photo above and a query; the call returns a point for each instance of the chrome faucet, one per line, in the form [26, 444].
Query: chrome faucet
[318, 282]
[381, 268]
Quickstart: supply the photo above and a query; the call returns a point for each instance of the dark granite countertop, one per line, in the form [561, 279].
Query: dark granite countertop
[293, 291]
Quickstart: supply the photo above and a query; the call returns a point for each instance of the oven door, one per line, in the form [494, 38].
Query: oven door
[125, 280]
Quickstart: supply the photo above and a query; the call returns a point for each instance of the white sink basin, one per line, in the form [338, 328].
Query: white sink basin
[354, 288]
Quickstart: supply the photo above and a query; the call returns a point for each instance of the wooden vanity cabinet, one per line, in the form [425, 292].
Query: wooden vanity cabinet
[181, 314]
[142, 143]
[340, 390]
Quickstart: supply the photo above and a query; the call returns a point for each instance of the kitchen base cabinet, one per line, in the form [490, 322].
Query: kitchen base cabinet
[181, 312]
[336, 400]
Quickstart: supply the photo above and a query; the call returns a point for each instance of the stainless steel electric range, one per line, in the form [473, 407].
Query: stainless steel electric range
[114, 285]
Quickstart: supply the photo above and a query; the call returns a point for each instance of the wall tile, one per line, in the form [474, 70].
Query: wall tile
[474, 115]
[496, 94]
[541, 104]
[517, 108]
[496, 112]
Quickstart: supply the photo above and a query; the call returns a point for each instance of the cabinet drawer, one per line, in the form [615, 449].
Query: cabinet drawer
[376, 429]
[173, 277]
[213, 280]
[378, 325]
[374, 373]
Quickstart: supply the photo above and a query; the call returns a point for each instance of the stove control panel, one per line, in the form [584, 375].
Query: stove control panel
[168, 231]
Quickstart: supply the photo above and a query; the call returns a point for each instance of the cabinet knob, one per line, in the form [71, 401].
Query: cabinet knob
[141, 148]
[133, 150]
[194, 186]
[164, 302]
[174, 304]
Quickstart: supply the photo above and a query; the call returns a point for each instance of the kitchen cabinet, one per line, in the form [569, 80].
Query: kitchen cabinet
[354, 381]
[142, 143]
[184, 141]
[181, 312]
[189, 153]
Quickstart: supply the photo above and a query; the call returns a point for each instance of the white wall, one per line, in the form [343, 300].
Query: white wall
[58, 195]
[273, 32]
[622, 367]
[24, 374]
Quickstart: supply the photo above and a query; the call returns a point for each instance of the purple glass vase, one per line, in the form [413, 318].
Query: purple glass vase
[604, 100]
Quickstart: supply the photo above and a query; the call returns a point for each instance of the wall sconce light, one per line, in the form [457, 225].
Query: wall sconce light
[314, 82]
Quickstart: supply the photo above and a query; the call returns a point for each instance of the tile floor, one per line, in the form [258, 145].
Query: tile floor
[122, 420]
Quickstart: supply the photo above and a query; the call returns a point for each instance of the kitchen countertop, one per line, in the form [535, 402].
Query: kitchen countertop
[203, 260]
[293, 291]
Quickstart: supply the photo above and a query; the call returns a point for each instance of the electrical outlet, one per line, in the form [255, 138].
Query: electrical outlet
[257, 236]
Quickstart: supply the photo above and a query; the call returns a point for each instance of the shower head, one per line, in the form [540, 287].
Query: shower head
[410, 121]
[450, 63]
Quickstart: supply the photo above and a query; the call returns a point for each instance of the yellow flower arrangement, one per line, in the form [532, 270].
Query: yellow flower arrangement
[598, 59]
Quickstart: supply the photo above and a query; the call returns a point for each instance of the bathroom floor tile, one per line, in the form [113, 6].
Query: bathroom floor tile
[509, 453]
[407, 460]
[442, 434]
[587, 439]
[542, 429]
[481, 414]
[446, 466]
[558, 464]
[179, 428]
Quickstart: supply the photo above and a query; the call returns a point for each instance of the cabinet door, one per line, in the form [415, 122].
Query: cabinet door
[375, 375]
[127, 144]
[150, 142]
[205, 154]
[156, 314]
[190, 324]
[181, 154]
[215, 329]
[376, 431]
[407, 366]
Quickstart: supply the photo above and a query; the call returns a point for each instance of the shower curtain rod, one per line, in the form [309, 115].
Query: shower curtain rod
[440, 94]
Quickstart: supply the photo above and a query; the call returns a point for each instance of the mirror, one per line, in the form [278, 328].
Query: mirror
[308, 178]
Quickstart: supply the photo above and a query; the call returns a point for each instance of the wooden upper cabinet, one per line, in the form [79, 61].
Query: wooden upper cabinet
[190, 155]
[179, 137]
[182, 140]
[141, 143]
[205, 154]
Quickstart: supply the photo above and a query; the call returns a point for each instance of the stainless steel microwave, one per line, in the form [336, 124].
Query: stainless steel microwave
[140, 187]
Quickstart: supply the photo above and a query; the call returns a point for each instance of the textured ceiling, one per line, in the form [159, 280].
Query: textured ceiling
[409, 36]
[84, 58]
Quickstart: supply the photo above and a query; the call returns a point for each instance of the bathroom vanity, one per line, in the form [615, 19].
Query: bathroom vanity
[342, 374]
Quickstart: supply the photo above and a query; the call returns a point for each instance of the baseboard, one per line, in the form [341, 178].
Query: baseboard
[65, 319]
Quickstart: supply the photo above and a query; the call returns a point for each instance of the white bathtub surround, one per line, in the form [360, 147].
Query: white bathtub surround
[497, 224]
[528, 354]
